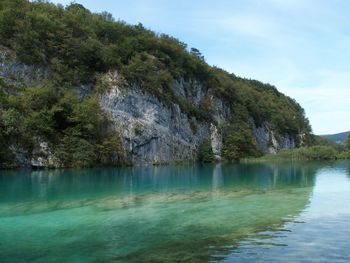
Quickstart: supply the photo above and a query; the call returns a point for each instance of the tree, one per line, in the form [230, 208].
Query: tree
[238, 142]
[110, 150]
[205, 152]
[195, 52]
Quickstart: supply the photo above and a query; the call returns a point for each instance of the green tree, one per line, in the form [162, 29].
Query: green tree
[205, 152]
[110, 150]
[238, 142]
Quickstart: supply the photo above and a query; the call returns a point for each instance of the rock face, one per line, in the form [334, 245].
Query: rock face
[19, 73]
[267, 141]
[155, 133]
[43, 157]
[151, 131]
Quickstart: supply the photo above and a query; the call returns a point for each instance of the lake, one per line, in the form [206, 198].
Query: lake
[212, 213]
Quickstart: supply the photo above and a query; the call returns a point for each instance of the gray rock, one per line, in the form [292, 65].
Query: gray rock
[151, 131]
[43, 157]
[18, 73]
[267, 141]
[155, 133]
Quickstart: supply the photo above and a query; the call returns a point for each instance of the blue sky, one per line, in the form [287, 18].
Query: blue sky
[301, 47]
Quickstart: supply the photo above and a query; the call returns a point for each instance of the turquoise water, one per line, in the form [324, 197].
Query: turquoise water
[213, 213]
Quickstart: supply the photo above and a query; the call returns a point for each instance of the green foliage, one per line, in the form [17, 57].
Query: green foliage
[205, 153]
[238, 142]
[238, 138]
[205, 109]
[301, 154]
[110, 150]
[77, 44]
[74, 151]
[10, 128]
[343, 155]
[150, 73]
[311, 153]
[75, 129]
[322, 141]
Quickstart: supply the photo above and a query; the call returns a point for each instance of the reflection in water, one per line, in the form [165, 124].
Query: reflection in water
[218, 180]
[319, 234]
[51, 184]
[163, 213]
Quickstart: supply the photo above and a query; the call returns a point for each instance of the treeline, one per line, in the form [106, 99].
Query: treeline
[77, 46]
[345, 153]
[321, 149]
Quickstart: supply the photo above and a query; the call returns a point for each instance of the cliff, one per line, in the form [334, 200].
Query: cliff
[156, 133]
[125, 95]
[151, 132]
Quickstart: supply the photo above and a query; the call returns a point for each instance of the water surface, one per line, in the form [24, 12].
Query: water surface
[230, 213]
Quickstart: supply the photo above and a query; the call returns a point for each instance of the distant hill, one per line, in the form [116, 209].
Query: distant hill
[338, 137]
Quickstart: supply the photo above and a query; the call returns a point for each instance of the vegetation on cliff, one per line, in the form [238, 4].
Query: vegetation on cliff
[75, 129]
[77, 46]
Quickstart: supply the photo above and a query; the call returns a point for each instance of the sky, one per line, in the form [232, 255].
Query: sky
[301, 47]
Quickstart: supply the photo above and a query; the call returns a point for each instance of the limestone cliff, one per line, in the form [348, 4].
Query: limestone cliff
[151, 131]
[155, 133]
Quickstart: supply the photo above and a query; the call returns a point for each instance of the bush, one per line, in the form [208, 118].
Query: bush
[205, 153]
[238, 142]
[110, 150]
[73, 151]
[311, 153]
[343, 155]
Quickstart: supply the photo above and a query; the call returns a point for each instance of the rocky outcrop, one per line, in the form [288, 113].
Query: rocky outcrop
[267, 141]
[151, 131]
[19, 73]
[156, 133]
[42, 157]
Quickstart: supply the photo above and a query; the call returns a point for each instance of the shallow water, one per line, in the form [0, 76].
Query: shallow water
[230, 213]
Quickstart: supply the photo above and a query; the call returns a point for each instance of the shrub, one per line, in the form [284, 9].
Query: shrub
[205, 152]
[238, 142]
[310, 153]
[110, 150]
[73, 151]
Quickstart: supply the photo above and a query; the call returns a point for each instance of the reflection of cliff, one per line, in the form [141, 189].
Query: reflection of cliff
[156, 214]
[245, 199]
[50, 184]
